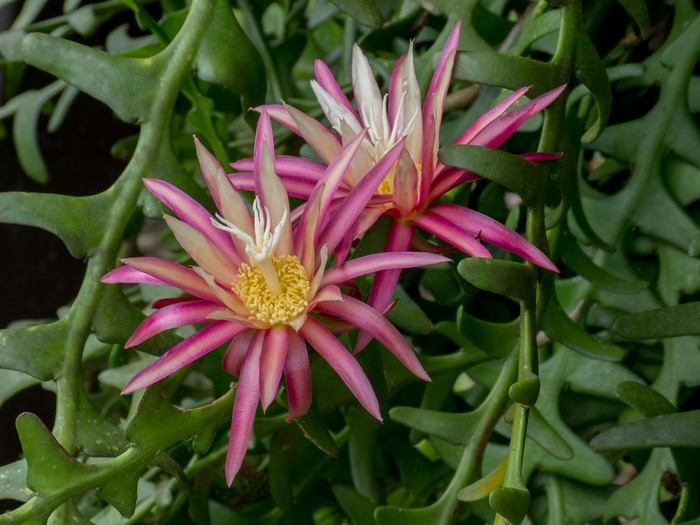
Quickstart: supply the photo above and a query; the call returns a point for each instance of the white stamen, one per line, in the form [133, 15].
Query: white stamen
[263, 246]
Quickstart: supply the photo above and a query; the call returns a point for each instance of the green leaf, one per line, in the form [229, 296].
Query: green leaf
[364, 11]
[127, 85]
[282, 455]
[316, 430]
[496, 339]
[408, 315]
[559, 327]
[19, 348]
[78, 221]
[645, 399]
[24, 130]
[356, 506]
[669, 430]
[483, 487]
[506, 71]
[242, 71]
[536, 28]
[515, 173]
[454, 428]
[12, 481]
[501, 277]
[13, 382]
[158, 424]
[511, 503]
[672, 321]
[544, 434]
[638, 10]
[579, 262]
[591, 72]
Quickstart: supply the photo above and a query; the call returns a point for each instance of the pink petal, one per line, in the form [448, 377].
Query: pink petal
[327, 81]
[210, 169]
[333, 176]
[298, 377]
[247, 396]
[435, 97]
[447, 179]
[173, 274]
[179, 314]
[280, 114]
[236, 352]
[307, 231]
[342, 362]
[396, 87]
[365, 317]
[321, 140]
[193, 214]
[491, 115]
[286, 166]
[340, 222]
[498, 131]
[492, 231]
[429, 164]
[399, 240]
[448, 231]
[405, 195]
[272, 363]
[538, 156]
[126, 274]
[379, 262]
[184, 353]
[162, 303]
[204, 252]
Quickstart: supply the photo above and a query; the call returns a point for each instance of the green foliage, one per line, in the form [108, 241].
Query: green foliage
[554, 399]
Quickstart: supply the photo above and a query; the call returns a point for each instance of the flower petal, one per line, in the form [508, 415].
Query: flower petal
[184, 353]
[193, 214]
[342, 362]
[179, 314]
[272, 363]
[286, 166]
[126, 274]
[244, 405]
[210, 169]
[492, 231]
[236, 352]
[335, 111]
[341, 221]
[367, 318]
[491, 115]
[498, 131]
[321, 140]
[399, 240]
[448, 231]
[378, 262]
[369, 100]
[281, 114]
[204, 252]
[405, 195]
[298, 377]
[327, 81]
[173, 274]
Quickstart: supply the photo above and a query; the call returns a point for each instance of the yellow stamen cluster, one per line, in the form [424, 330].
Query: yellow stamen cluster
[264, 305]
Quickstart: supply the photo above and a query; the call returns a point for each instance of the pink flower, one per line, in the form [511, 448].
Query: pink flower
[410, 189]
[262, 284]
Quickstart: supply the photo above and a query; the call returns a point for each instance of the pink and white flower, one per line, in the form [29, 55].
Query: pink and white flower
[417, 179]
[261, 284]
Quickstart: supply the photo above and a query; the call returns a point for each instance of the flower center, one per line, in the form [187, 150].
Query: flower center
[274, 308]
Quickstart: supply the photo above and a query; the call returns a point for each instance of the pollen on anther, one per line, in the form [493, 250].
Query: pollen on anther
[267, 307]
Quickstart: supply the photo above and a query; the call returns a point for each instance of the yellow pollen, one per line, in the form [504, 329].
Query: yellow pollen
[267, 307]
